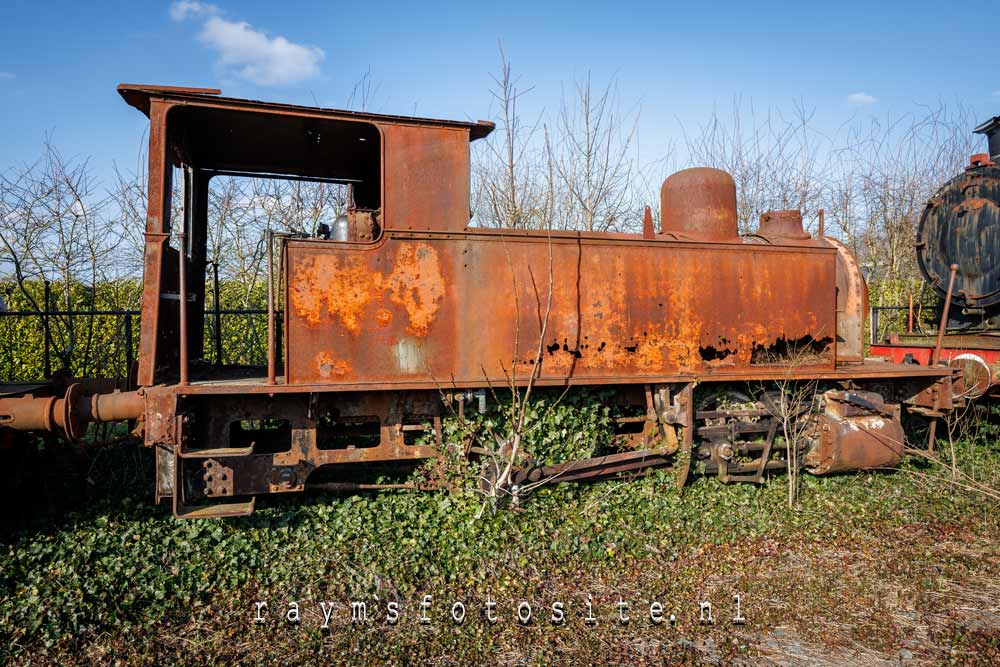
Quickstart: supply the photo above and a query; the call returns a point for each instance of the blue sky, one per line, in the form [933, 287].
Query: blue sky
[60, 61]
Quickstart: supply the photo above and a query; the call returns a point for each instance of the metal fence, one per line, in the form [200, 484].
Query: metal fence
[104, 343]
[916, 319]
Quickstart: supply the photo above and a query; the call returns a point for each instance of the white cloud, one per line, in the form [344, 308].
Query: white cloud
[185, 9]
[6, 76]
[248, 53]
[259, 58]
[861, 98]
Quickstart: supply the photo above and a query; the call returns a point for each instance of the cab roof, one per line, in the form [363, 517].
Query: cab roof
[139, 96]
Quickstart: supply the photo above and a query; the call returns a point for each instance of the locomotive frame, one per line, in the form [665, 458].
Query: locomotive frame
[390, 327]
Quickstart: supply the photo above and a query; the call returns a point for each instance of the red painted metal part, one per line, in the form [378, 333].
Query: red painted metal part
[976, 357]
[921, 354]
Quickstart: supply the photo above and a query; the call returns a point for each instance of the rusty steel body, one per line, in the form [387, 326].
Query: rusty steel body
[447, 308]
[385, 333]
[855, 431]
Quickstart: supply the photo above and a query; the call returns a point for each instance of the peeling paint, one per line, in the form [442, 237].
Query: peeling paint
[408, 355]
[342, 286]
[330, 367]
[416, 286]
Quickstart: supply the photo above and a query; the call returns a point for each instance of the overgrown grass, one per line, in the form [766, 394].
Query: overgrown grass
[106, 580]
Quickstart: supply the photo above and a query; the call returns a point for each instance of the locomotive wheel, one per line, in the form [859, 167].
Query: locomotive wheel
[737, 436]
[976, 376]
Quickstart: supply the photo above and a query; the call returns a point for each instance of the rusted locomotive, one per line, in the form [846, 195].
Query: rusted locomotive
[958, 245]
[407, 312]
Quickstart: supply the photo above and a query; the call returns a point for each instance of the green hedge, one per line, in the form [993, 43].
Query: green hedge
[98, 345]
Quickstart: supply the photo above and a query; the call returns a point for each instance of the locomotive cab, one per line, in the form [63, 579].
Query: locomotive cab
[408, 173]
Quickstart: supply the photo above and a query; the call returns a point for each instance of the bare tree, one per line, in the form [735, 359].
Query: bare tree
[242, 210]
[592, 158]
[508, 168]
[884, 173]
[364, 92]
[53, 227]
[775, 160]
[129, 196]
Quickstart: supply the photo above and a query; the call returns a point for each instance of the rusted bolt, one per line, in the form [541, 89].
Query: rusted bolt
[208, 491]
[208, 478]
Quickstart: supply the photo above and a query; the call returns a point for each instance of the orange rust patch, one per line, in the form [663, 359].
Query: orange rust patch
[615, 343]
[342, 286]
[416, 285]
[329, 366]
[594, 325]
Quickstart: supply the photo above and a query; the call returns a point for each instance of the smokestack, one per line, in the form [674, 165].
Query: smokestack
[991, 129]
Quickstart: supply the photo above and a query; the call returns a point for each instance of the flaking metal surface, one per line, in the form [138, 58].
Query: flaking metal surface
[469, 307]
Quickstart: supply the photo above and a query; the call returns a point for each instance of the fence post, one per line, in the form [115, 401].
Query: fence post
[128, 350]
[45, 326]
[218, 314]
